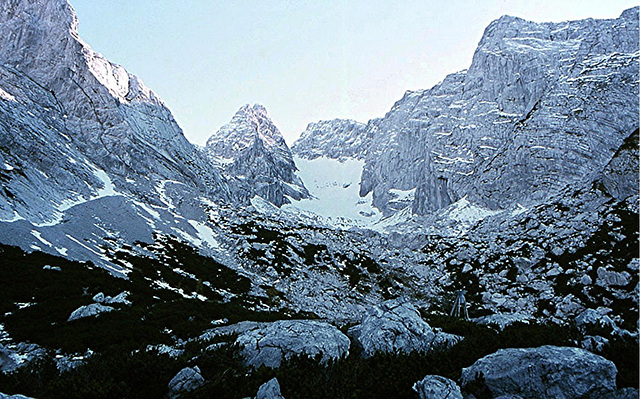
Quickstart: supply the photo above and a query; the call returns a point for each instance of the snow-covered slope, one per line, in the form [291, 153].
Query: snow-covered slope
[333, 187]
[251, 149]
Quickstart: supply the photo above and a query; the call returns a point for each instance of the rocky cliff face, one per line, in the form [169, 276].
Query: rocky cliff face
[84, 142]
[252, 149]
[69, 115]
[530, 116]
[620, 176]
[337, 139]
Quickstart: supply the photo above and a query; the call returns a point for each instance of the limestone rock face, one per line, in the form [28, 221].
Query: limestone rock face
[544, 372]
[269, 390]
[337, 139]
[533, 113]
[268, 344]
[186, 380]
[69, 112]
[76, 129]
[396, 326]
[437, 387]
[252, 149]
[620, 176]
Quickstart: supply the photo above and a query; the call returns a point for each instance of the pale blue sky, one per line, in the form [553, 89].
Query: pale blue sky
[303, 60]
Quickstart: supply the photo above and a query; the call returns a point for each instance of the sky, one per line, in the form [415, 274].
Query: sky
[304, 61]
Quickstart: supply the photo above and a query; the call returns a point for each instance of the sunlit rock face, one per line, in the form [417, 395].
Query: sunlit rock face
[251, 149]
[68, 114]
[86, 143]
[336, 139]
[542, 106]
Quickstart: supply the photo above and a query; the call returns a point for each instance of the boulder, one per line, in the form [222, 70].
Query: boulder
[437, 387]
[544, 372]
[14, 356]
[121, 298]
[89, 310]
[594, 343]
[597, 320]
[396, 326]
[186, 380]
[268, 344]
[5, 396]
[502, 320]
[269, 390]
[7, 361]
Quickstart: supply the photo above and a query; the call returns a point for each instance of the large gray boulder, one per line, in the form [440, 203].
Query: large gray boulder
[14, 356]
[268, 344]
[186, 380]
[269, 390]
[396, 326]
[89, 310]
[437, 387]
[544, 372]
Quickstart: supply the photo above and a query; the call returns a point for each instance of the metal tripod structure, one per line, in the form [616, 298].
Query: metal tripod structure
[459, 308]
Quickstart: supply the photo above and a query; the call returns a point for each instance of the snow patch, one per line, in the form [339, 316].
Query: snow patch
[108, 188]
[205, 233]
[465, 212]
[155, 214]
[14, 218]
[334, 189]
[6, 96]
[37, 235]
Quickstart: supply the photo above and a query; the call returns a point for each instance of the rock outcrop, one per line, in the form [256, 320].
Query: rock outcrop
[93, 309]
[396, 326]
[269, 390]
[531, 115]
[187, 379]
[251, 149]
[437, 387]
[271, 343]
[268, 344]
[544, 372]
[121, 299]
[620, 176]
[17, 396]
[337, 139]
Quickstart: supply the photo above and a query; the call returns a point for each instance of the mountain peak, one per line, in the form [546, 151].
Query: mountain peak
[36, 32]
[249, 126]
[255, 109]
[251, 147]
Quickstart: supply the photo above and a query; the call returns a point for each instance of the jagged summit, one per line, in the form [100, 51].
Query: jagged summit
[251, 149]
[250, 124]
